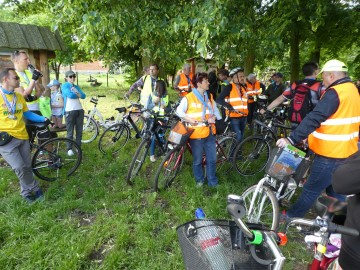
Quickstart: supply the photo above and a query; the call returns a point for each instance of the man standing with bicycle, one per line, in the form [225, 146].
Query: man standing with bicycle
[233, 97]
[332, 130]
[14, 139]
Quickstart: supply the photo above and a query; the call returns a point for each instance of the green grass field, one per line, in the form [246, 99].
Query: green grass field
[94, 220]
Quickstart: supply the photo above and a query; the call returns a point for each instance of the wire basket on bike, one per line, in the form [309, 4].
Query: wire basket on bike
[179, 133]
[218, 244]
[285, 162]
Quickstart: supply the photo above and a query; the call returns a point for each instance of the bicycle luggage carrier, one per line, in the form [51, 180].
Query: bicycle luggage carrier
[210, 244]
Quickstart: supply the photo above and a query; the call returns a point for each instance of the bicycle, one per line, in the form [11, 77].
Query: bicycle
[223, 244]
[91, 126]
[155, 129]
[173, 161]
[283, 174]
[50, 160]
[318, 232]
[252, 154]
[116, 136]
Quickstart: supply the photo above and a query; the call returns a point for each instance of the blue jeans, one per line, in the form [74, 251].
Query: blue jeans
[319, 179]
[152, 144]
[238, 126]
[198, 147]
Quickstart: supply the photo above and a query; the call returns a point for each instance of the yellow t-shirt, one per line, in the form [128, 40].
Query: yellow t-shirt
[15, 127]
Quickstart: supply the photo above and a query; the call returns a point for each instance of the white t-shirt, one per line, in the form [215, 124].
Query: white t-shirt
[73, 104]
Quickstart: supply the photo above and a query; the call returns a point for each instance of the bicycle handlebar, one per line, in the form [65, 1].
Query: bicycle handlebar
[323, 224]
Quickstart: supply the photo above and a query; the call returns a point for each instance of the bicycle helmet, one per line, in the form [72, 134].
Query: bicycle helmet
[235, 70]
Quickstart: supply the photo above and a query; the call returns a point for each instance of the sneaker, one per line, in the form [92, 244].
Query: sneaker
[39, 196]
[199, 184]
[152, 158]
[29, 199]
[70, 153]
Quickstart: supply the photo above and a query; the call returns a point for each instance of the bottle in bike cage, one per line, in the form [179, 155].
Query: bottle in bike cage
[210, 242]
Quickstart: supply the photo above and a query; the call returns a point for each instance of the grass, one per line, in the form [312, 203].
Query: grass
[93, 220]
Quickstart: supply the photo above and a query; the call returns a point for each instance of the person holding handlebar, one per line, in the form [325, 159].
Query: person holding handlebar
[233, 97]
[14, 139]
[74, 113]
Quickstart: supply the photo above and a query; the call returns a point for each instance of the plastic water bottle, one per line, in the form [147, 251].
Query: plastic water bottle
[210, 242]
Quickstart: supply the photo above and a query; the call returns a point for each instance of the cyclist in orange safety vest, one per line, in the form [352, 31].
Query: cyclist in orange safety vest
[234, 98]
[332, 129]
[253, 89]
[183, 82]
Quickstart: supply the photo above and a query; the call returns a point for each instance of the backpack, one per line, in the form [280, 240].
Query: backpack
[302, 104]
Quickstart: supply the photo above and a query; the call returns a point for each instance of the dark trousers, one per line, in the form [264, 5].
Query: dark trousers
[251, 108]
[74, 120]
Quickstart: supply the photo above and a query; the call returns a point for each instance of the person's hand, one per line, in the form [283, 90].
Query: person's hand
[282, 142]
[36, 74]
[48, 122]
[212, 119]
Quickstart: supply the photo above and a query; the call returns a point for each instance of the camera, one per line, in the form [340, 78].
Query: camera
[34, 70]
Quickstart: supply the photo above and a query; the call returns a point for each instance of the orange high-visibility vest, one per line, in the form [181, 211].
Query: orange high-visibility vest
[337, 137]
[253, 90]
[238, 101]
[185, 85]
[195, 110]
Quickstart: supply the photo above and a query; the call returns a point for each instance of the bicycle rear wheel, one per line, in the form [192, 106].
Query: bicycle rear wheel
[168, 169]
[114, 138]
[51, 161]
[224, 151]
[265, 209]
[90, 130]
[251, 155]
[137, 161]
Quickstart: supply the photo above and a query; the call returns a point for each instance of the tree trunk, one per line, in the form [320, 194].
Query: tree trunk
[315, 55]
[249, 63]
[294, 55]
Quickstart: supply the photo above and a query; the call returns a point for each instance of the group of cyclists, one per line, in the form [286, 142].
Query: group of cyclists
[324, 113]
[329, 123]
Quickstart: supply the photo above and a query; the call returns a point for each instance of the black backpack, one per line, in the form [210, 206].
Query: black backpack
[302, 104]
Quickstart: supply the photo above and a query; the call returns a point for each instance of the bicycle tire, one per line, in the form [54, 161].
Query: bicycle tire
[224, 151]
[90, 130]
[114, 138]
[54, 164]
[266, 207]
[251, 155]
[137, 161]
[169, 168]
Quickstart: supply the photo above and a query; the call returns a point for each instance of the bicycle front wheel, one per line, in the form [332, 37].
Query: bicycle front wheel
[168, 169]
[137, 161]
[51, 160]
[262, 207]
[114, 138]
[251, 155]
[224, 151]
[90, 130]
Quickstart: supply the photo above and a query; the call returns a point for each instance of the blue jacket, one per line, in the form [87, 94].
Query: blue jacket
[67, 93]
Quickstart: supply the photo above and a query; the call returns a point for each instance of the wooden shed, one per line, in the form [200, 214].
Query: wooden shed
[38, 41]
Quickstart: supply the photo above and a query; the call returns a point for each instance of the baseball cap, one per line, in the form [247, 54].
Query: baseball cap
[53, 82]
[334, 65]
[69, 73]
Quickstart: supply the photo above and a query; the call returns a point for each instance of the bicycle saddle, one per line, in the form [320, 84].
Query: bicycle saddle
[121, 109]
[329, 206]
[35, 124]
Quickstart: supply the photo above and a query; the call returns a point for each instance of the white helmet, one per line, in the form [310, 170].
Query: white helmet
[235, 70]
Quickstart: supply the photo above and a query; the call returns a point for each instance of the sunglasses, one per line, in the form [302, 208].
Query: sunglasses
[72, 76]
[15, 78]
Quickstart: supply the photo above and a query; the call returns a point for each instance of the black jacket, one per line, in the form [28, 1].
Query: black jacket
[346, 180]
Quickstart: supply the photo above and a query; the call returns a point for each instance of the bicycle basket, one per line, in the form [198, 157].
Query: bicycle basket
[218, 244]
[179, 134]
[284, 162]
